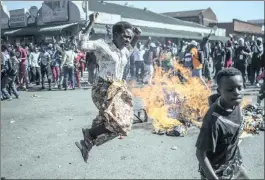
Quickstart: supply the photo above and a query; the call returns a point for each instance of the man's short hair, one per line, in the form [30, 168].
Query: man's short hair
[120, 27]
[227, 72]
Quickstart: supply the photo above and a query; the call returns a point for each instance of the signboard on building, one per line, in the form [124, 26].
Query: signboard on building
[18, 18]
[240, 26]
[55, 11]
[33, 13]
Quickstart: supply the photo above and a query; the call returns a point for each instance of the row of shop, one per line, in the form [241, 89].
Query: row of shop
[50, 21]
[37, 34]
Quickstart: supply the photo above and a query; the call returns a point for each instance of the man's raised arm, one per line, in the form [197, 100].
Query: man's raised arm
[85, 44]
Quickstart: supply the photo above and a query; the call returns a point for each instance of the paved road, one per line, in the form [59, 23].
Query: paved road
[38, 135]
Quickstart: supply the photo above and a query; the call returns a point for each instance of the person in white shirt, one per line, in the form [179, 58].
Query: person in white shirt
[45, 66]
[68, 65]
[109, 93]
[34, 65]
[138, 59]
[149, 64]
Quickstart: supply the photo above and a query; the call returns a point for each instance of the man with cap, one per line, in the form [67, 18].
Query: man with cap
[257, 51]
[149, 63]
[197, 63]
[241, 55]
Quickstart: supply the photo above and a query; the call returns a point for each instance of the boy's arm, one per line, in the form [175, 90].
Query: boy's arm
[206, 165]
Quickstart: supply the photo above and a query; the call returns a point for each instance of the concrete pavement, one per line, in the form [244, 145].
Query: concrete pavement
[39, 130]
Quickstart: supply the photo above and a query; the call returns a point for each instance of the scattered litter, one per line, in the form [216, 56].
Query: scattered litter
[38, 156]
[121, 137]
[254, 118]
[18, 137]
[161, 132]
[71, 119]
[12, 122]
[35, 96]
[70, 163]
[123, 157]
[20, 164]
[59, 166]
[174, 148]
[180, 130]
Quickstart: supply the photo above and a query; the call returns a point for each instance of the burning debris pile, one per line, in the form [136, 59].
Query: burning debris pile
[254, 118]
[175, 105]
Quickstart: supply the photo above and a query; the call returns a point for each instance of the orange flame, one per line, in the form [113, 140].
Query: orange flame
[192, 98]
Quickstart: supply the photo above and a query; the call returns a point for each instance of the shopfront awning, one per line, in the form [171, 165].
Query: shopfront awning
[156, 32]
[160, 32]
[21, 31]
[11, 32]
[56, 28]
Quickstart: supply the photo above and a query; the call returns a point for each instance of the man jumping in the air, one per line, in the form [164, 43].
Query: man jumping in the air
[109, 93]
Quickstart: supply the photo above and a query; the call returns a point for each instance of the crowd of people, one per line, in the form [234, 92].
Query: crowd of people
[25, 64]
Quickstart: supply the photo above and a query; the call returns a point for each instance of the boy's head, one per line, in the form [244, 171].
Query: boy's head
[230, 86]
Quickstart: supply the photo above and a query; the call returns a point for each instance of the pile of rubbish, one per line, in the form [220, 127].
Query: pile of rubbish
[177, 109]
[253, 119]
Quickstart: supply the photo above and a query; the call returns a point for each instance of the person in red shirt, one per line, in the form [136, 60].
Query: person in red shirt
[82, 61]
[23, 58]
[78, 66]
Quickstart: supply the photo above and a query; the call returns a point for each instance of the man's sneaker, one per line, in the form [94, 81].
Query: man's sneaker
[87, 137]
[85, 145]
[84, 150]
[258, 85]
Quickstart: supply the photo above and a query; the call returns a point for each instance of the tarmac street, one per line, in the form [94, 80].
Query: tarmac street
[39, 131]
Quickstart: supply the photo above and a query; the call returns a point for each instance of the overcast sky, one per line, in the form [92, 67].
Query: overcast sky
[225, 10]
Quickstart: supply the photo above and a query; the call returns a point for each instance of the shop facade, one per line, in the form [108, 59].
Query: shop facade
[65, 18]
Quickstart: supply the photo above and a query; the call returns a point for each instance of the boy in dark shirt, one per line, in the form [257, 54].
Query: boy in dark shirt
[217, 144]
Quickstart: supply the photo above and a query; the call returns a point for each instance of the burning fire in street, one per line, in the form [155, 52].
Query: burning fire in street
[170, 102]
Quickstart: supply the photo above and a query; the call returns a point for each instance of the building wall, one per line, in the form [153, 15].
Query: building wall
[209, 17]
[241, 26]
[228, 26]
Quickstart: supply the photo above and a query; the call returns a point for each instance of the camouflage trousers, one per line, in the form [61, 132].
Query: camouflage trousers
[114, 103]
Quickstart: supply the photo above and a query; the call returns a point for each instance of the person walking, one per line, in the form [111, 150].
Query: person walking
[34, 63]
[45, 66]
[255, 65]
[68, 65]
